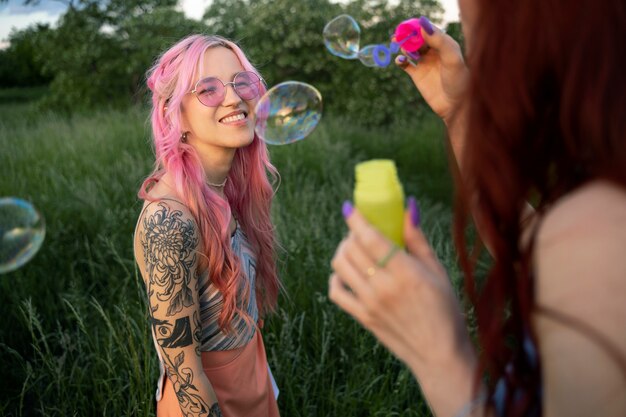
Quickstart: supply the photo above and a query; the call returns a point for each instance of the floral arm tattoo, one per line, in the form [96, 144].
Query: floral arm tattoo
[169, 245]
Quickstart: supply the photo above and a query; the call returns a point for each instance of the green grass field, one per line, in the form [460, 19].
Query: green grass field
[74, 336]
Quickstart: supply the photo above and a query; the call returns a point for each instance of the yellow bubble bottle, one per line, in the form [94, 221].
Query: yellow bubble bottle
[378, 195]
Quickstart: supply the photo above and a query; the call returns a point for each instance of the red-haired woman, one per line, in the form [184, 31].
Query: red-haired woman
[537, 115]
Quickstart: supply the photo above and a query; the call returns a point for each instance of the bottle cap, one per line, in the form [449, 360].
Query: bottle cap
[377, 172]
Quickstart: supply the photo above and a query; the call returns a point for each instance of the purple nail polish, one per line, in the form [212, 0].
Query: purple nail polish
[425, 23]
[414, 211]
[401, 58]
[347, 209]
[413, 55]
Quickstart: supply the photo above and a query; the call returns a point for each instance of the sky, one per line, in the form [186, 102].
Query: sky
[14, 15]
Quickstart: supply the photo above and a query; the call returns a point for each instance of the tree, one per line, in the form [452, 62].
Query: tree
[284, 39]
[20, 65]
[100, 50]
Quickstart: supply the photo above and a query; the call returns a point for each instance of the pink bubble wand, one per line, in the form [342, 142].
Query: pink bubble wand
[407, 39]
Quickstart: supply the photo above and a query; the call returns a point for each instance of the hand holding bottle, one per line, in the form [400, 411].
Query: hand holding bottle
[408, 303]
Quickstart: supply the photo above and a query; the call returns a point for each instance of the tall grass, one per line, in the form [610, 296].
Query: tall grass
[74, 336]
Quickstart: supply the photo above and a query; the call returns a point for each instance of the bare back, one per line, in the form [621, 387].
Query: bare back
[580, 264]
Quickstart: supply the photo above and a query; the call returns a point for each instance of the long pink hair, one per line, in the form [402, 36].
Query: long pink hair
[248, 189]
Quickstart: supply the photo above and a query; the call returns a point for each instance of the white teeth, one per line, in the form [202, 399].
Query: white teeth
[235, 118]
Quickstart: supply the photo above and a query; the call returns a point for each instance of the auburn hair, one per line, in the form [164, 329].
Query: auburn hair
[545, 108]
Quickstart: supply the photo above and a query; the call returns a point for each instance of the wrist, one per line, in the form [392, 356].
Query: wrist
[448, 385]
[456, 121]
[456, 126]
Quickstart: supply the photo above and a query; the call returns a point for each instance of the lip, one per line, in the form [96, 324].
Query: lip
[235, 113]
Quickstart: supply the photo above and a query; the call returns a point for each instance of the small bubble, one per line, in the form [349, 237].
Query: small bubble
[342, 37]
[366, 56]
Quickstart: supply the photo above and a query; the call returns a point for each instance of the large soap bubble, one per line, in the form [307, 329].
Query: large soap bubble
[288, 112]
[22, 230]
[342, 37]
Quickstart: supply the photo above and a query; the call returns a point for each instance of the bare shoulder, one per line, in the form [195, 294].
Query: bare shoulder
[167, 234]
[598, 207]
[580, 268]
[164, 206]
[166, 218]
[581, 246]
[582, 241]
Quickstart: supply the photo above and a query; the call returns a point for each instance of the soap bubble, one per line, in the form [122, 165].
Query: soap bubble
[342, 36]
[366, 56]
[22, 230]
[288, 112]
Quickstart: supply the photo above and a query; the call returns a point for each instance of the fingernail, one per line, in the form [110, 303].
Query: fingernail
[347, 209]
[414, 211]
[402, 59]
[413, 55]
[425, 23]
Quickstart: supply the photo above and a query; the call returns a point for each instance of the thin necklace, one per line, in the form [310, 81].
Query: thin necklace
[223, 183]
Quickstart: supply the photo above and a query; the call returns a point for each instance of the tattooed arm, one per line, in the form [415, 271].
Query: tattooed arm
[170, 244]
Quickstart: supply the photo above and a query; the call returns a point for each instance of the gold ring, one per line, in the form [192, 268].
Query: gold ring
[371, 271]
[385, 260]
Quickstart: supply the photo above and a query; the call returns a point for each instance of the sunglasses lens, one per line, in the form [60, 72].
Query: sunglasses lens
[247, 85]
[210, 91]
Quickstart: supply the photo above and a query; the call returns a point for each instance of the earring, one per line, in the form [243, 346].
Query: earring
[183, 137]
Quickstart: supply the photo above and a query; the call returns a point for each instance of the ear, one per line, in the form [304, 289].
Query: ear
[184, 123]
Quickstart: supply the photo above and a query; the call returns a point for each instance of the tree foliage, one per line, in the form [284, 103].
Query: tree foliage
[20, 63]
[284, 39]
[100, 50]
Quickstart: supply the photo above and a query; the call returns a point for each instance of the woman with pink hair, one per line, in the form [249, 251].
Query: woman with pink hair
[204, 241]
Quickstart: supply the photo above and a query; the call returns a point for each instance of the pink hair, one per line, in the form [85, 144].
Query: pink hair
[248, 189]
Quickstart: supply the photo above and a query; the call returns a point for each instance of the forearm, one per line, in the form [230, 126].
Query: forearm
[456, 127]
[193, 389]
[457, 133]
[201, 403]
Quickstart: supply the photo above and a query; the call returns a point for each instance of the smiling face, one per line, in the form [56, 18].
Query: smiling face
[229, 124]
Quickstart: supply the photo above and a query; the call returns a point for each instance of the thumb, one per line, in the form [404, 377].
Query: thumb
[449, 50]
[416, 243]
[442, 44]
